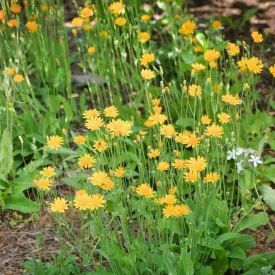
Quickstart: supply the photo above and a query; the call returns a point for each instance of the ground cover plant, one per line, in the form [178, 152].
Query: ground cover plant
[137, 128]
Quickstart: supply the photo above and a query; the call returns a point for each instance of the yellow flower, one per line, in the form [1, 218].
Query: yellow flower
[147, 58]
[145, 190]
[145, 17]
[211, 55]
[156, 101]
[82, 200]
[13, 23]
[242, 64]
[120, 21]
[117, 7]
[257, 37]
[154, 153]
[102, 180]
[44, 183]
[77, 22]
[120, 172]
[103, 34]
[187, 28]
[2, 15]
[194, 90]
[224, 118]
[198, 67]
[255, 65]
[272, 70]
[211, 177]
[111, 111]
[180, 164]
[191, 176]
[216, 88]
[15, 8]
[172, 190]
[97, 201]
[143, 36]
[163, 166]
[197, 165]
[86, 13]
[167, 131]
[94, 123]
[147, 74]
[91, 50]
[55, 142]
[168, 199]
[182, 210]
[120, 127]
[18, 78]
[214, 131]
[32, 26]
[157, 118]
[205, 120]
[230, 99]
[91, 113]
[169, 211]
[48, 172]
[80, 139]
[232, 49]
[245, 86]
[190, 140]
[100, 145]
[86, 161]
[59, 205]
[216, 24]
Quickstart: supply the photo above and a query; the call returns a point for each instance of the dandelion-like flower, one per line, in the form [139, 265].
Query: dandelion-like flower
[94, 123]
[111, 111]
[145, 190]
[147, 58]
[102, 180]
[59, 205]
[91, 113]
[117, 7]
[143, 37]
[86, 161]
[154, 153]
[187, 28]
[147, 74]
[120, 21]
[163, 166]
[120, 127]
[211, 177]
[198, 164]
[55, 142]
[257, 37]
[224, 118]
[32, 26]
[79, 139]
[48, 172]
[100, 145]
[167, 131]
[214, 131]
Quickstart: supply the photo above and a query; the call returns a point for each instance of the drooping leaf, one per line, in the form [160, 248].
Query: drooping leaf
[252, 222]
[268, 195]
[20, 203]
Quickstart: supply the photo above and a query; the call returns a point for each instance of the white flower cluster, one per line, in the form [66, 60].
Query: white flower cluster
[240, 154]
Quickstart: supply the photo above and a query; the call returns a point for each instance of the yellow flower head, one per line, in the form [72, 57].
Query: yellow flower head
[77, 22]
[100, 145]
[117, 7]
[167, 131]
[48, 172]
[211, 177]
[194, 90]
[230, 99]
[86, 13]
[15, 8]
[143, 36]
[197, 165]
[180, 164]
[191, 176]
[59, 205]
[91, 50]
[157, 119]
[94, 123]
[198, 67]
[44, 183]
[205, 120]
[32, 26]
[272, 70]
[145, 190]
[224, 118]
[102, 180]
[120, 172]
[182, 210]
[145, 17]
[232, 49]
[257, 37]
[120, 21]
[80, 139]
[111, 111]
[216, 24]
[154, 153]
[214, 131]
[147, 58]
[120, 127]
[187, 28]
[147, 74]
[170, 211]
[91, 113]
[163, 166]
[255, 65]
[55, 142]
[211, 55]
[18, 78]
[86, 161]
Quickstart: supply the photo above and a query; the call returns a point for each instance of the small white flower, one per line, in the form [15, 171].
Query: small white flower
[255, 160]
[239, 166]
[231, 154]
[239, 151]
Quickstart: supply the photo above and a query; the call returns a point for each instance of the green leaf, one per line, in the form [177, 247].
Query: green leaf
[245, 242]
[189, 58]
[210, 243]
[201, 38]
[6, 159]
[252, 222]
[248, 14]
[227, 236]
[268, 195]
[187, 263]
[220, 265]
[62, 150]
[185, 122]
[237, 253]
[259, 260]
[20, 203]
